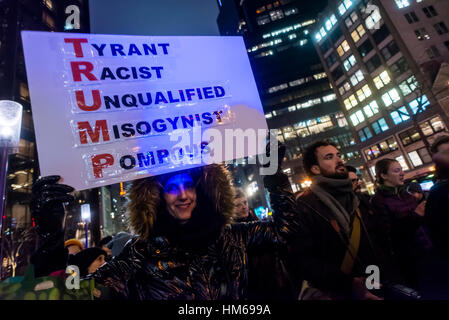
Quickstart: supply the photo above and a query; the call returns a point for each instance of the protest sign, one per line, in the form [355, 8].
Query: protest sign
[110, 108]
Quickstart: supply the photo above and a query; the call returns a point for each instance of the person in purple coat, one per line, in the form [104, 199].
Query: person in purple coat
[402, 217]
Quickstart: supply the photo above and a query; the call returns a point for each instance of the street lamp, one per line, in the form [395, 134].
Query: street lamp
[10, 125]
[85, 216]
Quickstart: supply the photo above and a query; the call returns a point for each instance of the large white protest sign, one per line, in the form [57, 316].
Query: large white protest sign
[110, 108]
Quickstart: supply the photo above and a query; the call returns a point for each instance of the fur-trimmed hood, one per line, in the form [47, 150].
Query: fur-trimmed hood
[214, 182]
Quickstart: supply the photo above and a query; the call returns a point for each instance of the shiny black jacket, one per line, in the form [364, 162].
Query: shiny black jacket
[158, 267]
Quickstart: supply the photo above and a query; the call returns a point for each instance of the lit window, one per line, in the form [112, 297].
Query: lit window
[365, 134]
[349, 63]
[357, 118]
[322, 32]
[351, 19]
[320, 75]
[342, 48]
[292, 36]
[297, 82]
[390, 97]
[358, 33]
[400, 115]
[268, 115]
[290, 11]
[341, 120]
[364, 92]
[422, 34]
[276, 15]
[292, 108]
[278, 88]
[408, 86]
[382, 79]
[328, 24]
[380, 126]
[371, 109]
[356, 77]
[347, 103]
[402, 162]
[341, 9]
[372, 20]
[402, 3]
[329, 97]
[419, 104]
[415, 159]
[333, 19]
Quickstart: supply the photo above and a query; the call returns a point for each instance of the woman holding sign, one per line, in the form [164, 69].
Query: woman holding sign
[186, 247]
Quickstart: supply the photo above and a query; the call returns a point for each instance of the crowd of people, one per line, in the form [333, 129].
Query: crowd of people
[195, 237]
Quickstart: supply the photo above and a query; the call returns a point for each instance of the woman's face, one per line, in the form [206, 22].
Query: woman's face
[180, 196]
[394, 176]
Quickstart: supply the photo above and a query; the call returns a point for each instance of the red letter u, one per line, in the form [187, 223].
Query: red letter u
[81, 101]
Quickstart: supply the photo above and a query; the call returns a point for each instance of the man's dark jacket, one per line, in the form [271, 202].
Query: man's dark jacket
[318, 252]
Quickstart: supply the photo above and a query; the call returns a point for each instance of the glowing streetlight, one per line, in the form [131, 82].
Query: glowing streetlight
[85, 216]
[10, 125]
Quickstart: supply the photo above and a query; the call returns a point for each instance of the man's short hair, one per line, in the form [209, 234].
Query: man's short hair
[351, 169]
[310, 159]
[438, 142]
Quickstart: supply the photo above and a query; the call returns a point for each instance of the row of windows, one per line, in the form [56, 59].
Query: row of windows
[296, 82]
[313, 126]
[417, 158]
[428, 128]
[381, 148]
[399, 115]
[423, 34]
[288, 29]
[378, 126]
[306, 104]
[274, 15]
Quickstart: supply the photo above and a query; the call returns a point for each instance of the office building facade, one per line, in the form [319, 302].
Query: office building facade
[293, 86]
[382, 58]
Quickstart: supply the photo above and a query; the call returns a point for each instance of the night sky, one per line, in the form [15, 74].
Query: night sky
[154, 17]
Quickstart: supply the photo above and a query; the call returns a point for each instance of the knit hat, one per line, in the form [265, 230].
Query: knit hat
[85, 258]
[73, 242]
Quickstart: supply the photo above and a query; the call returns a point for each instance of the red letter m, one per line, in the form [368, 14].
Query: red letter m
[84, 129]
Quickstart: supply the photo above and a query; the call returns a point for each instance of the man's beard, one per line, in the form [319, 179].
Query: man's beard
[335, 174]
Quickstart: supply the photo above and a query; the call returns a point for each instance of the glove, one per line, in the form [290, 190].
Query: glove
[47, 204]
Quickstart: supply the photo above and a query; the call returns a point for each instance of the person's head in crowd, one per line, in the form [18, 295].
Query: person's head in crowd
[323, 159]
[352, 175]
[440, 151]
[241, 204]
[180, 201]
[389, 173]
[103, 244]
[74, 246]
[242, 211]
[179, 194]
[414, 188]
[89, 260]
